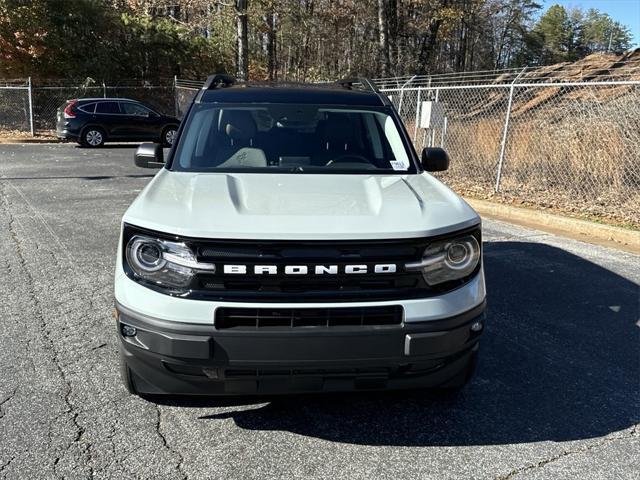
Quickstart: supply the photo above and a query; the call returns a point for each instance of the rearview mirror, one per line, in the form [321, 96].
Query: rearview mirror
[435, 160]
[149, 155]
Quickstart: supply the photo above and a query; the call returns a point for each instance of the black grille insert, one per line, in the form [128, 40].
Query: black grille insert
[374, 372]
[286, 318]
[276, 285]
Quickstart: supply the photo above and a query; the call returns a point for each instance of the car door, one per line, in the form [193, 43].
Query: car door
[142, 121]
[109, 117]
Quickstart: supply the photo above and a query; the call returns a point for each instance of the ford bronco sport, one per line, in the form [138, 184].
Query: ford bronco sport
[294, 242]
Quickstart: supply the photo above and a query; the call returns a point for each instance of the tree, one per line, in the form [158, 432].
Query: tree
[513, 18]
[270, 20]
[292, 39]
[603, 34]
[383, 35]
[552, 30]
[575, 35]
[242, 39]
[567, 36]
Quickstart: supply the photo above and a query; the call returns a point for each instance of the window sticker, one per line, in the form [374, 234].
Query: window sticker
[401, 162]
[399, 165]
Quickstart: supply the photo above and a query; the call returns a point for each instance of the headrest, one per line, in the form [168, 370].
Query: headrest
[238, 124]
[338, 128]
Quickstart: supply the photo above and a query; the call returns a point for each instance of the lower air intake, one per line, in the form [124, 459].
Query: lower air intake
[284, 318]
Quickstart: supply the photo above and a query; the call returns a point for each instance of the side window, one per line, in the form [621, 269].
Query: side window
[88, 108]
[107, 107]
[129, 108]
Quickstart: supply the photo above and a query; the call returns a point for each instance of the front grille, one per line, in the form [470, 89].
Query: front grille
[332, 251]
[293, 318]
[340, 286]
[343, 285]
[278, 286]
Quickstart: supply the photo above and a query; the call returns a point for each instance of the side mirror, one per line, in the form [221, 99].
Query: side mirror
[435, 160]
[149, 155]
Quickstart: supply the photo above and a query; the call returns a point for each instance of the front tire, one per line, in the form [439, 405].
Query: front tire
[93, 137]
[168, 136]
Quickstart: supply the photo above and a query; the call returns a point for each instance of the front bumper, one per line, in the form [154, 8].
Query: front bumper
[166, 357]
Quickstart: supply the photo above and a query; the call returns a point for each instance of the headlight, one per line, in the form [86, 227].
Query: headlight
[448, 260]
[163, 262]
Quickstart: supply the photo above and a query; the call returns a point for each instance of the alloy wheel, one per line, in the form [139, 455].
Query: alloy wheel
[169, 136]
[93, 138]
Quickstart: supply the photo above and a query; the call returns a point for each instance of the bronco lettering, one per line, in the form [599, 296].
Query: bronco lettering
[313, 270]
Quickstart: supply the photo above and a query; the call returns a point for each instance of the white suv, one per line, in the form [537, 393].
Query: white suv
[294, 242]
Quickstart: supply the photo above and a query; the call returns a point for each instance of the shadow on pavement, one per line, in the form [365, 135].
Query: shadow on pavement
[559, 361]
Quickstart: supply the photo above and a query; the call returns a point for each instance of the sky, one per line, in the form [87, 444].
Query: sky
[626, 12]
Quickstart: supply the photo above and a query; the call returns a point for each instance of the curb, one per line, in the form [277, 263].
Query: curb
[583, 230]
[13, 141]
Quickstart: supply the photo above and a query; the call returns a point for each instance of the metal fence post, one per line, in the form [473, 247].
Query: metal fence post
[505, 131]
[432, 138]
[415, 127]
[503, 145]
[402, 94]
[104, 90]
[443, 133]
[175, 94]
[31, 109]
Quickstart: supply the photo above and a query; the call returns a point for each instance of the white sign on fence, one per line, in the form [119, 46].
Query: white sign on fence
[431, 115]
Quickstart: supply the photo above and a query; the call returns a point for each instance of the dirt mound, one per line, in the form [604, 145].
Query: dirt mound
[545, 86]
[595, 67]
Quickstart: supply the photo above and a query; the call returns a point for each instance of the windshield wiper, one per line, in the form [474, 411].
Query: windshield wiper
[297, 169]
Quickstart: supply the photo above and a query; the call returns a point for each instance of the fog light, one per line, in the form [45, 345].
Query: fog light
[128, 330]
[211, 372]
[476, 327]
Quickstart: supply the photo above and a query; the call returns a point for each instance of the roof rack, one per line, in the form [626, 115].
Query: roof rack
[219, 80]
[350, 82]
[366, 84]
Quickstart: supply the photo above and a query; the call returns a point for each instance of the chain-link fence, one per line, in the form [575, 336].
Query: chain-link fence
[27, 107]
[185, 91]
[570, 146]
[16, 106]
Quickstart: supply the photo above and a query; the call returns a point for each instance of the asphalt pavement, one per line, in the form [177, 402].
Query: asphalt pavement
[556, 395]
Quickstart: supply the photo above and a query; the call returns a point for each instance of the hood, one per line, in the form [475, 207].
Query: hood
[298, 206]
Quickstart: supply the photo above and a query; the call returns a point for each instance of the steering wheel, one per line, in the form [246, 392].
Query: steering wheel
[349, 158]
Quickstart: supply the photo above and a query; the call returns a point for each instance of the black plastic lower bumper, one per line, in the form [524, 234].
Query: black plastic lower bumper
[168, 358]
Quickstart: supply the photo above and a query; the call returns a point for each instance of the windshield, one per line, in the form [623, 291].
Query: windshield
[291, 138]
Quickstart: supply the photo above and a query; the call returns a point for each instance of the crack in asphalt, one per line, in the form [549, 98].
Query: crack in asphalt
[568, 453]
[45, 331]
[7, 399]
[72, 412]
[180, 463]
[5, 465]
